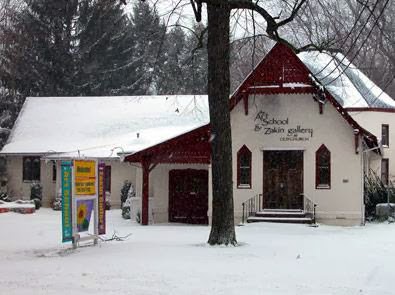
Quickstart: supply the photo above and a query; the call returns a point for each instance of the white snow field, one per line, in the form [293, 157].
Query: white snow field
[174, 259]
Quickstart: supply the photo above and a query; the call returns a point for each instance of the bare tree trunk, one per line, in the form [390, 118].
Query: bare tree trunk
[222, 230]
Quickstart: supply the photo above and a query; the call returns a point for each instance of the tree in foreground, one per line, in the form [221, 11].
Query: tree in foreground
[218, 48]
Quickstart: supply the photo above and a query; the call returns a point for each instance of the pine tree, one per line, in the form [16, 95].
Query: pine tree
[195, 64]
[37, 55]
[172, 78]
[103, 44]
[149, 35]
[68, 47]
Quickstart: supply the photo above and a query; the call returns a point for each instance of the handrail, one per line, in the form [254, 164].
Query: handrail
[309, 207]
[255, 204]
[251, 206]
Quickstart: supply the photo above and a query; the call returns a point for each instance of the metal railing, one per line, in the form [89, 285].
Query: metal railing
[255, 204]
[251, 206]
[309, 207]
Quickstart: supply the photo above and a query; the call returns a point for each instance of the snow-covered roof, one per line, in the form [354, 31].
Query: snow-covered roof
[347, 84]
[101, 127]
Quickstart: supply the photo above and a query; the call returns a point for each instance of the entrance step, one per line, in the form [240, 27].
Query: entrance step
[282, 210]
[305, 220]
[281, 213]
[281, 216]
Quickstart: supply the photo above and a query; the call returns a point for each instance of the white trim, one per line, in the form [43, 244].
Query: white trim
[282, 149]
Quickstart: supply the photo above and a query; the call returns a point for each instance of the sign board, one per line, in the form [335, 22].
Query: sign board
[85, 177]
[269, 125]
[83, 200]
[66, 171]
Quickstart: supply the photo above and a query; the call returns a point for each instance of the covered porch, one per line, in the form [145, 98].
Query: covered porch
[182, 178]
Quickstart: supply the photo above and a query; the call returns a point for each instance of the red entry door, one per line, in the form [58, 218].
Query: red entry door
[188, 196]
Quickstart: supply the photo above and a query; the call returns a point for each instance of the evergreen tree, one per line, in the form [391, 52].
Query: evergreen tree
[172, 78]
[103, 48]
[67, 47]
[149, 35]
[196, 63]
[37, 53]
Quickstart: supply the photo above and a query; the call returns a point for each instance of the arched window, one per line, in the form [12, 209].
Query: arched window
[323, 168]
[244, 168]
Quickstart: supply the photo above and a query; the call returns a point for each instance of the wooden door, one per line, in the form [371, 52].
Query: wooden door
[283, 179]
[188, 196]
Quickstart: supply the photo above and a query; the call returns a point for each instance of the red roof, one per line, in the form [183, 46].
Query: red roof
[281, 71]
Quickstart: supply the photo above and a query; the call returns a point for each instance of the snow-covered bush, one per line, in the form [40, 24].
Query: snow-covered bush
[57, 204]
[127, 204]
[376, 192]
[36, 192]
[124, 191]
[108, 203]
[4, 197]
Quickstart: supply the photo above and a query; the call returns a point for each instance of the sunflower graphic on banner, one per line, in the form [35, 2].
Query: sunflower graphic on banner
[84, 213]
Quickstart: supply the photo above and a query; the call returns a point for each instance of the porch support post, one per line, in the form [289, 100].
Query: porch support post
[145, 204]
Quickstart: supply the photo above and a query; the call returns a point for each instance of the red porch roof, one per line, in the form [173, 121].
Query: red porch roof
[191, 147]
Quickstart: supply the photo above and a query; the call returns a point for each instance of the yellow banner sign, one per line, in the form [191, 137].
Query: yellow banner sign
[85, 169]
[85, 177]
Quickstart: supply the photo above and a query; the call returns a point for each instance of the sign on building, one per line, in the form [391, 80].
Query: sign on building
[281, 128]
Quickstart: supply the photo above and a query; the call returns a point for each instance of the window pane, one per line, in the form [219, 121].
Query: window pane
[245, 176]
[324, 159]
[54, 171]
[385, 135]
[245, 160]
[244, 167]
[323, 168]
[36, 169]
[324, 175]
[107, 178]
[27, 169]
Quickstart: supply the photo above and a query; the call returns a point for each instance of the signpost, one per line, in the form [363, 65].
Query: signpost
[83, 198]
[102, 200]
[66, 169]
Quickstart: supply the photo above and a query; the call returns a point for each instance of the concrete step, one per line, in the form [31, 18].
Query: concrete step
[283, 213]
[305, 220]
[282, 210]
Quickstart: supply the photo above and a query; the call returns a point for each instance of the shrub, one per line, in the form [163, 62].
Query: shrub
[376, 192]
[4, 197]
[108, 205]
[36, 191]
[127, 204]
[57, 204]
[124, 191]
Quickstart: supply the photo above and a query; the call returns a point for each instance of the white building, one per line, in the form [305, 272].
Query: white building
[305, 129]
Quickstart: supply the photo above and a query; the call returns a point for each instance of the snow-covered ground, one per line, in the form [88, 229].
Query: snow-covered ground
[173, 259]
